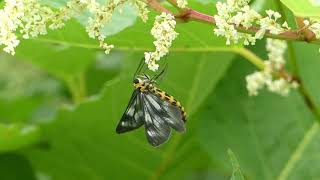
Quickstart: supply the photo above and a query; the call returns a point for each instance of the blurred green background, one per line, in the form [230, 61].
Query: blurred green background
[61, 98]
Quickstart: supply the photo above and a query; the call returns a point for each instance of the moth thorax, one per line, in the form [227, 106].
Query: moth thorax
[142, 85]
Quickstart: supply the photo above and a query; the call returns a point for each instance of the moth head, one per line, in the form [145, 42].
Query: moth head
[138, 84]
[137, 81]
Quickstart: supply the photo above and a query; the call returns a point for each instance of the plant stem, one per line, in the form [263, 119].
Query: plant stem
[188, 14]
[158, 7]
[296, 155]
[73, 90]
[82, 85]
[251, 57]
[302, 89]
[77, 88]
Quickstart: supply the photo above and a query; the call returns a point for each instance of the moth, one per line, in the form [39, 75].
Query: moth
[152, 108]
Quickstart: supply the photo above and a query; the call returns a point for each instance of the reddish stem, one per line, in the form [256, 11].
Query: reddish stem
[158, 7]
[189, 14]
[195, 15]
[305, 32]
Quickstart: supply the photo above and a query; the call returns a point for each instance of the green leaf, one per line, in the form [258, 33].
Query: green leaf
[25, 105]
[15, 167]
[119, 20]
[89, 148]
[15, 136]
[190, 33]
[257, 5]
[206, 2]
[308, 60]
[193, 35]
[271, 134]
[1, 4]
[236, 173]
[104, 69]
[303, 8]
[67, 53]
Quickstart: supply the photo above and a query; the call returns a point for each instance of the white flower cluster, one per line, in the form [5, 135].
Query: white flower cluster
[313, 26]
[73, 8]
[143, 11]
[270, 24]
[31, 19]
[234, 14]
[164, 33]
[273, 65]
[182, 3]
[102, 15]
[25, 16]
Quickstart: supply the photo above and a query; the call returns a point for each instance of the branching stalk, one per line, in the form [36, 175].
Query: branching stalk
[189, 14]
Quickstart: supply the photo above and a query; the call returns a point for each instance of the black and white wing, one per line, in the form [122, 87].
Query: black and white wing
[173, 116]
[160, 116]
[132, 118]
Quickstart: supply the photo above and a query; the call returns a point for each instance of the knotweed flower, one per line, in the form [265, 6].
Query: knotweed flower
[24, 16]
[234, 14]
[29, 19]
[265, 78]
[143, 11]
[164, 33]
[313, 26]
[182, 3]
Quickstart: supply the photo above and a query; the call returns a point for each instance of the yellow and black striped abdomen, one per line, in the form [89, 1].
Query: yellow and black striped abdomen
[170, 99]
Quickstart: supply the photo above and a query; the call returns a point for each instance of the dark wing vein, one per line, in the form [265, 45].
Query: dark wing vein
[157, 129]
[172, 114]
[132, 118]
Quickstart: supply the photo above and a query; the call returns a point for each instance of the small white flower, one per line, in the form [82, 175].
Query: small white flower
[141, 6]
[182, 3]
[270, 24]
[279, 86]
[237, 13]
[315, 28]
[275, 63]
[164, 33]
[153, 66]
[255, 82]
[29, 19]
[107, 48]
[147, 56]
[285, 25]
[276, 49]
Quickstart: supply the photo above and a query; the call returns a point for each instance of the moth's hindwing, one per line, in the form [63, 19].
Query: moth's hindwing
[157, 115]
[133, 117]
[156, 128]
[174, 115]
[160, 117]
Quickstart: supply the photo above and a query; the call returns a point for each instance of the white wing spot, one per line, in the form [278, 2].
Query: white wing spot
[136, 116]
[130, 111]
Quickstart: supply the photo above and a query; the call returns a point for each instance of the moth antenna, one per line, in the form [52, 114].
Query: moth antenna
[140, 67]
[161, 74]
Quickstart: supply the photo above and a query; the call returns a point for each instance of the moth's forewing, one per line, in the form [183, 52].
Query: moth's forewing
[157, 115]
[133, 117]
